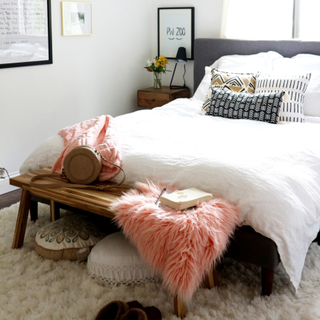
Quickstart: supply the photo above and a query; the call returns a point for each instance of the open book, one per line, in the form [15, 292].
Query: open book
[183, 199]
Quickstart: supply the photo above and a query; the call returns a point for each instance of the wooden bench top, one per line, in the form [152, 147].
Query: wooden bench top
[86, 199]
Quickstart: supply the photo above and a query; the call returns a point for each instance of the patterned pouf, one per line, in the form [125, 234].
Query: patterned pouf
[115, 261]
[69, 238]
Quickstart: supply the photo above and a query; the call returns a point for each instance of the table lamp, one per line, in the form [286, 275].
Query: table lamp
[181, 58]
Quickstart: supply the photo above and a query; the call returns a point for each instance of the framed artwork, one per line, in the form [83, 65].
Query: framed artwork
[25, 33]
[175, 29]
[76, 18]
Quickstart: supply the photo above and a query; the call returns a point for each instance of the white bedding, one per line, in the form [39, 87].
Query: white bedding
[271, 172]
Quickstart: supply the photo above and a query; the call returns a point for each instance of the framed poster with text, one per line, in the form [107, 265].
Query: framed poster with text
[175, 29]
[25, 33]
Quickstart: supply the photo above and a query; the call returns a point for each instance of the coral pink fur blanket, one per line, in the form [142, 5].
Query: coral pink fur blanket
[98, 132]
[181, 245]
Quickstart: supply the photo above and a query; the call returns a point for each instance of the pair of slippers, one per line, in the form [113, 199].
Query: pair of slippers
[133, 310]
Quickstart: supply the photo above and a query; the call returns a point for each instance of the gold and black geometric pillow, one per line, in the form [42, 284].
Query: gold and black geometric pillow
[238, 82]
[243, 105]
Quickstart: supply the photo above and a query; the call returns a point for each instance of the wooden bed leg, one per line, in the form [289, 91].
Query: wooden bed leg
[266, 281]
[180, 307]
[22, 219]
[34, 210]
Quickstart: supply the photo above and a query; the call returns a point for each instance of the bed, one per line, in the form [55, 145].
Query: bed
[270, 171]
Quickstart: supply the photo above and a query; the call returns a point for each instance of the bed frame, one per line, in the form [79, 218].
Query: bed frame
[248, 245]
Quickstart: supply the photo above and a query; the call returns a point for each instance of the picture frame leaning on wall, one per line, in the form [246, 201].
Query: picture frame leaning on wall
[175, 29]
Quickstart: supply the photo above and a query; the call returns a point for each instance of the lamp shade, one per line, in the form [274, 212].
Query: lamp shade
[181, 56]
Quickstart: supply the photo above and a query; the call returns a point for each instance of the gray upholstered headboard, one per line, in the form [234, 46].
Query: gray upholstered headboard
[206, 51]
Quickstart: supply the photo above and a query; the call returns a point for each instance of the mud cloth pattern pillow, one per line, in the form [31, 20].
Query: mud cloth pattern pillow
[242, 105]
[68, 238]
[296, 87]
[239, 82]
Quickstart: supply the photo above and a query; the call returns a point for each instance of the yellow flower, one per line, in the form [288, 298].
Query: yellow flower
[163, 60]
[157, 65]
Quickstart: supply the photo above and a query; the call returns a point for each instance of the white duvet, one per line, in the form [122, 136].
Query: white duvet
[271, 172]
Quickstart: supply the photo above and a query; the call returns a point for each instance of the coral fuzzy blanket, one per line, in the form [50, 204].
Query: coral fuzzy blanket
[181, 245]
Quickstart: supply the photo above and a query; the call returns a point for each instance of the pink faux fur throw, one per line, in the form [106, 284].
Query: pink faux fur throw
[98, 132]
[181, 245]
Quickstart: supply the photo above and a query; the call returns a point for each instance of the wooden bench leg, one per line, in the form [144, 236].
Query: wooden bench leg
[210, 280]
[22, 219]
[266, 281]
[180, 307]
[54, 211]
[34, 210]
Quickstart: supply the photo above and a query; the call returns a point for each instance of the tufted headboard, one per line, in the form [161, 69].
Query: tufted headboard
[206, 51]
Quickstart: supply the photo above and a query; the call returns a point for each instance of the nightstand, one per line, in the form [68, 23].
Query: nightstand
[151, 98]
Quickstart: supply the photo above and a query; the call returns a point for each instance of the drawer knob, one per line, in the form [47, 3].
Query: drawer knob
[152, 100]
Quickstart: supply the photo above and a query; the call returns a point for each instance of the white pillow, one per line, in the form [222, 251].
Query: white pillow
[295, 85]
[202, 90]
[304, 63]
[252, 63]
[45, 155]
[114, 260]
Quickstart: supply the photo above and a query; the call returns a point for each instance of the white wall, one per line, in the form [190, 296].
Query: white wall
[90, 76]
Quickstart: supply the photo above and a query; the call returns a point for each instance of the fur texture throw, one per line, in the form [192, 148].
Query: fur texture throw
[181, 245]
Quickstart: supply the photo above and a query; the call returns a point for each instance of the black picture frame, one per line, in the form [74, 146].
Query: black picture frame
[27, 38]
[175, 29]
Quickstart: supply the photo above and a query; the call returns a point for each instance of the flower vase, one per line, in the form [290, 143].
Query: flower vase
[157, 76]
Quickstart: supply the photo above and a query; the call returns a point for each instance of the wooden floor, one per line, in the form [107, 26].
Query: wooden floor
[7, 199]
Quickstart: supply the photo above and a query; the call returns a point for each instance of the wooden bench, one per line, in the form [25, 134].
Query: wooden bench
[93, 201]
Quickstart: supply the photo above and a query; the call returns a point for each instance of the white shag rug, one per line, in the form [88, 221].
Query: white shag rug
[32, 287]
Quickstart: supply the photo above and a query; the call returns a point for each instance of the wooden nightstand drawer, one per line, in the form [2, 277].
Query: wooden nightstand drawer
[151, 98]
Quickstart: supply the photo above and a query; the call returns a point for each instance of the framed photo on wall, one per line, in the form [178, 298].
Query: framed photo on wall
[25, 33]
[76, 18]
[175, 29]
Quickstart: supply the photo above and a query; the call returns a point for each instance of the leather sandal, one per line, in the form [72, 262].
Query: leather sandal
[135, 314]
[113, 311]
[152, 313]
[134, 304]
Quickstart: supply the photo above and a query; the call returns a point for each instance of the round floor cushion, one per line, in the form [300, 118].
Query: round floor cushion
[115, 261]
[69, 238]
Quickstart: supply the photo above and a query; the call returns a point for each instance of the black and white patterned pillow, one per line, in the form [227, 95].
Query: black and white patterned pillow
[242, 105]
[239, 82]
[294, 85]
